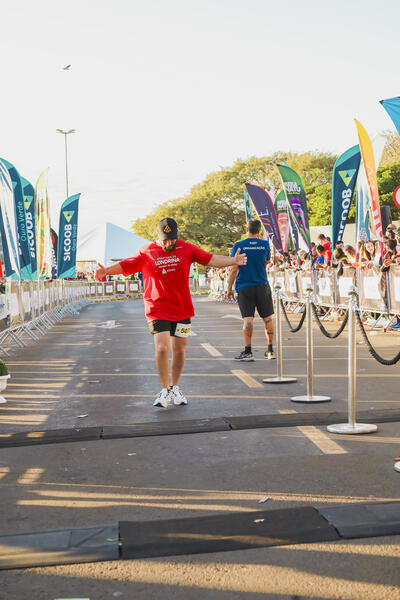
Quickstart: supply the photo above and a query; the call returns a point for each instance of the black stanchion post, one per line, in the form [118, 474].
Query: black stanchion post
[278, 332]
[309, 397]
[352, 427]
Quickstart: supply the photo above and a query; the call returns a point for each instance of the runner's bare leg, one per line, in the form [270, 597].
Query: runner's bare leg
[162, 344]
[269, 329]
[178, 358]
[247, 330]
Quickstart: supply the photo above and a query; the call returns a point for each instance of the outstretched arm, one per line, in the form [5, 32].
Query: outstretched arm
[231, 280]
[227, 261]
[101, 272]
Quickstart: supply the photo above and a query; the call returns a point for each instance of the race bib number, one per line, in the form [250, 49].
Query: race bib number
[183, 330]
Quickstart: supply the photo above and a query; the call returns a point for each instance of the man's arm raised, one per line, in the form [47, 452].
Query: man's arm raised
[219, 261]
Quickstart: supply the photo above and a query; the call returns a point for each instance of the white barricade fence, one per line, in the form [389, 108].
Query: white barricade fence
[32, 307]
[378, 292]
[371, 289]
[325, 287]
[394, 289]
[345, 282]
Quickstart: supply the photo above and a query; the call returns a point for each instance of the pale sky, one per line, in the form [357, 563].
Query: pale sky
[162, 92]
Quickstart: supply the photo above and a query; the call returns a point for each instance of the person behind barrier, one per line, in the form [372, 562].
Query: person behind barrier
[322, 260]
[371, 256]
[324, 241]
[390, 256]
[165, 266]
[351, 254]
[397, 240]
[305, 261]
[253, 288]
[195, 279]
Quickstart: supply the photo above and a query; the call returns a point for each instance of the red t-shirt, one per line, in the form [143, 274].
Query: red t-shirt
[327, 246]
[166, 278]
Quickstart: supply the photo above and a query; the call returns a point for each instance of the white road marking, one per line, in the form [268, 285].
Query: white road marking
[232, 317]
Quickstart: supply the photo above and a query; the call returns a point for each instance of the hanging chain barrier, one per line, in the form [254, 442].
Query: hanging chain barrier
[300, 323]
[371, 349]
[323, 330]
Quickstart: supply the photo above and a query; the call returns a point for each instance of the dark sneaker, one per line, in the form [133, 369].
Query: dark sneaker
[269, 355]
[245, 356]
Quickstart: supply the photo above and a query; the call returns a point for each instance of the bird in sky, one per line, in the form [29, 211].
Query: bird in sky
[66, 68]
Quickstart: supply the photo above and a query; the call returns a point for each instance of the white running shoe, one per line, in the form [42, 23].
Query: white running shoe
[163, 399]
[177, 396]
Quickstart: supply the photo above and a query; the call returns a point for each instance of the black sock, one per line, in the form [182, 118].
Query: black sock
[247, 349]
[269, 349]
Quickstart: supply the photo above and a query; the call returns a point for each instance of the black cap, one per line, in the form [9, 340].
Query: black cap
[167, 229]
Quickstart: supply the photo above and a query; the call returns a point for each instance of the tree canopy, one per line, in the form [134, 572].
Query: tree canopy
[212, 214]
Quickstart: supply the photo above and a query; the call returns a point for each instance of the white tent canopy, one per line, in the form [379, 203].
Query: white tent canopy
[108, 243]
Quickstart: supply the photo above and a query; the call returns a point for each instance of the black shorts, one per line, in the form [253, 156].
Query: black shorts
[256, 296]
[160, 325]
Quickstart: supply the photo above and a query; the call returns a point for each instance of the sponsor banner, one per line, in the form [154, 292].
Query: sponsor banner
[367, 154]
[54, 250]
[392, 107]
[247, 206]
[20, 216]
[343, 183]
[282, 214]
[8, 226]
[42, 224]
[29, 202]
[362, 207]
[266, 211]
[297, 202]
[362, 192]
[67, 238]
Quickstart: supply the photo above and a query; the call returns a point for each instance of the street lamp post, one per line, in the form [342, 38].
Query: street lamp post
[65, 133]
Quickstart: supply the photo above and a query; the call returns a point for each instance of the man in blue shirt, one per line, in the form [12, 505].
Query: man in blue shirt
[253, 288]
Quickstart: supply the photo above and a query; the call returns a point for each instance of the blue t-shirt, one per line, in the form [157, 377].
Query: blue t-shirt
[258, 254]
[319, 261]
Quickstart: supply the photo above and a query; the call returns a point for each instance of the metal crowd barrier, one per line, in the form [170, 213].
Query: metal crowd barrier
[379, 293]
[30, 308]
[109, 290]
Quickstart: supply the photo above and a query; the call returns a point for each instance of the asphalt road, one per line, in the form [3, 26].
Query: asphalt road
[83, 368]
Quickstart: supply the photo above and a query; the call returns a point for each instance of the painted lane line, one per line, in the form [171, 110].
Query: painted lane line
[232, 317]
[317, 437]
[211, 350]
[246, 378]
[321, 440]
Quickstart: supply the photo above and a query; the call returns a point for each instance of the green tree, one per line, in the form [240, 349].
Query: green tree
[212, 214]
[391, 152]
[388, 180]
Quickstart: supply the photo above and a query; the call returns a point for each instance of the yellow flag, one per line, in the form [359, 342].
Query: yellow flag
[367, 154]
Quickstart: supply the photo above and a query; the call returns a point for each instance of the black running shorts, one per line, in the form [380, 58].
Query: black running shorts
[256, 296]
[159, 325]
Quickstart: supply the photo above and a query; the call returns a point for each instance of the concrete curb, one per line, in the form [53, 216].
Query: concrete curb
[60, 436]
[216, 533]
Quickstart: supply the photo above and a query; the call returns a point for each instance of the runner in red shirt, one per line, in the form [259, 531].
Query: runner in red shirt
[165, 266]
